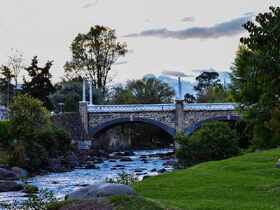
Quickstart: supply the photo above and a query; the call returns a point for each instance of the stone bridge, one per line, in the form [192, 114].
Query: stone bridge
[169, 117]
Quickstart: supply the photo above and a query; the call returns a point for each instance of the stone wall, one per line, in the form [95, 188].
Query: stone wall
[193, 117]
[72, 123]
[166, 117]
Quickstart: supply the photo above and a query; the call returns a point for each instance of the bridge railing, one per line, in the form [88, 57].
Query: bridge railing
[131, 108]
[211, 106]
[161, 107]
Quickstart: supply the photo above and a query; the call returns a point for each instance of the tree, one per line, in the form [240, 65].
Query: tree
[189, 98]
[256, 74]
[93, 55]
[39, 86]
[205, 81]
[69, 92]
[144, 91]
[6, 87]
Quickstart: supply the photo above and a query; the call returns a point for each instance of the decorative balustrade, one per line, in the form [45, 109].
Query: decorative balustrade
[161, 107]
[131, 108]
[211, 106]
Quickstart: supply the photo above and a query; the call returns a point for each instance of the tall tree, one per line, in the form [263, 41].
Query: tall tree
[144, 91]
[256, 76]
[93, 55]
[205, 81]
[6, 87]
[39, 85]
[208, 84]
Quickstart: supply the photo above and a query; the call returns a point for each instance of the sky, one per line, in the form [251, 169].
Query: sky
[162, 35]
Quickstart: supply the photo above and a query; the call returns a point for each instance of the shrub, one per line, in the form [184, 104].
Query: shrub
[6, 137]
[27, 115]
[213, 141]
[37, 139]
[30, 189]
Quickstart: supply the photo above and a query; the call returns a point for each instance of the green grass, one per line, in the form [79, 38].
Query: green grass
[248, 182]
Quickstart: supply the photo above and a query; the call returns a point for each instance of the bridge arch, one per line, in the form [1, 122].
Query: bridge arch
[197, 125]
[93, 131]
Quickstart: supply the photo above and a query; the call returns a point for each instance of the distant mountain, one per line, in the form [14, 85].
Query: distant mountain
[187, 87]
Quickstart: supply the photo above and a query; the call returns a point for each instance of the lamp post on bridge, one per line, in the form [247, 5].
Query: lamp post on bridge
[179, 102]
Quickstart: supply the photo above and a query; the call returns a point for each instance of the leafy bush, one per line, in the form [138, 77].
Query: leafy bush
[27, 116]
[36, 138]
[6, 137]
[213, 141]
[30, 189]
[56, 140]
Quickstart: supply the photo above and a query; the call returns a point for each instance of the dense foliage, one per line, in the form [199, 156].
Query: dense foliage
[213, 141]
[255, 78]
[143, 91]
[6, 136]
[35, 138]
[39, 85]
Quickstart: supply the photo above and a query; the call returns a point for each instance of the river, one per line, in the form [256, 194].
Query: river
[62, 184]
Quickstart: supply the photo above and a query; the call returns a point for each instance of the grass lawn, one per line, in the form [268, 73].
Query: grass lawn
[249, 182]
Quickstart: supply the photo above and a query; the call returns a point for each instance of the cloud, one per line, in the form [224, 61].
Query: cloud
[188, 19]
[175, 73]
[90, 4]
[225, 29]
[199, 71]
[121, 63]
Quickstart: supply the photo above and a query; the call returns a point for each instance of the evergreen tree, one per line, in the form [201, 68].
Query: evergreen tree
[6, 87]
[39, 85]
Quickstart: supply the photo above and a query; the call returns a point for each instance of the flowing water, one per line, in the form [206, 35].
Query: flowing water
[62, 184]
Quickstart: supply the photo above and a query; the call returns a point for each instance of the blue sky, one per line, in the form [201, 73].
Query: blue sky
[180, 35]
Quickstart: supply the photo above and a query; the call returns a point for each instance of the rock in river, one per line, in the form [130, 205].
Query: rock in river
[6, 174]
[10, 186]
[101, 190]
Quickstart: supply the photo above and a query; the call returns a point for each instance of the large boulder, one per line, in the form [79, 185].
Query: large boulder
[20, 172]
[10, 186]
[6, 174]
[101, 190]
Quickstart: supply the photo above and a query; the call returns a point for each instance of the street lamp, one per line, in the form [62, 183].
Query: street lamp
[179, 75]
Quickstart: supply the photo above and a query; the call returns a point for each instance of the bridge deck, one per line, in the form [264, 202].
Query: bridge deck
[161, 107]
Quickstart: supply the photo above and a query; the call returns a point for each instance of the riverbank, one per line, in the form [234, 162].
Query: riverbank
[250, 182]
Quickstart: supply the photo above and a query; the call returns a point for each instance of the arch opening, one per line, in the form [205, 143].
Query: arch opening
[228, 118]
[137, 133]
